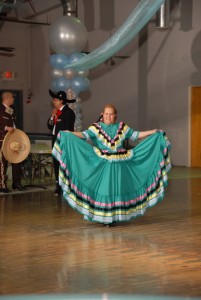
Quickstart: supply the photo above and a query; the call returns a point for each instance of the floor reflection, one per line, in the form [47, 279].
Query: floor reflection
[46, 247]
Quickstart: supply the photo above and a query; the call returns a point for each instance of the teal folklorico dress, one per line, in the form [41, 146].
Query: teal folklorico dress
[107, 183]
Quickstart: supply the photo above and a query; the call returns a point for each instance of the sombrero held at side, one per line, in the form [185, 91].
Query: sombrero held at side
[16, 146]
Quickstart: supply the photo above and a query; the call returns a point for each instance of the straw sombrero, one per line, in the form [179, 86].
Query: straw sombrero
[16, 146]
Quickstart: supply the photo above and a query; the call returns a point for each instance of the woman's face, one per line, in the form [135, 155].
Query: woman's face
[109, 116]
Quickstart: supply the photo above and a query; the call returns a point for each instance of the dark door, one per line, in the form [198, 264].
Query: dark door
[196, 126]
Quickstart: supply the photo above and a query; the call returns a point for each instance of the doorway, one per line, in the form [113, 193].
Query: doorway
[17, 106]
[196, 126]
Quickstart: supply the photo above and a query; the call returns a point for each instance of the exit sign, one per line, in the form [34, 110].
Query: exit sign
[8, 75]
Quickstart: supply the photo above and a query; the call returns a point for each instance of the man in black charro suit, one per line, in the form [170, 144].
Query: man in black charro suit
[62, 118]
[7, 123]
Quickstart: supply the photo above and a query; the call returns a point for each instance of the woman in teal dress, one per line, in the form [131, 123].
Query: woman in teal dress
[106, 182]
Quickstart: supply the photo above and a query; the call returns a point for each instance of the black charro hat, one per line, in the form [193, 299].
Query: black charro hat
[61, 95]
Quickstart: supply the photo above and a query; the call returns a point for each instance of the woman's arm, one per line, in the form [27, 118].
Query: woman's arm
[143, 134]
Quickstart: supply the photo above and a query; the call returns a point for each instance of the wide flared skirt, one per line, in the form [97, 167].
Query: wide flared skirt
[112, 188]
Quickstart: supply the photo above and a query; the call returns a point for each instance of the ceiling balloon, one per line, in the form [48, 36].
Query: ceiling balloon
[67, 35]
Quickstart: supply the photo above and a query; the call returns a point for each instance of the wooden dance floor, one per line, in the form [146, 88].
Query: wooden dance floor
[46, 248]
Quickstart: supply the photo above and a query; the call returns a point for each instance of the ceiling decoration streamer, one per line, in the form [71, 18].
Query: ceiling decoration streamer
[138, 18]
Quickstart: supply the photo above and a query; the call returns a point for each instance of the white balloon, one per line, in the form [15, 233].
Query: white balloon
[56, 73]
[69, 73]
[78, 116]
[77, 110]
[75, 105]
[77, 121]
[67, 35]
[71, 105]
[78, 100]
[78, 127]
[83, 73]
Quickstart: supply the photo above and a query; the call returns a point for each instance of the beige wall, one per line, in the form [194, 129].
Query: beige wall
[16, 36]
